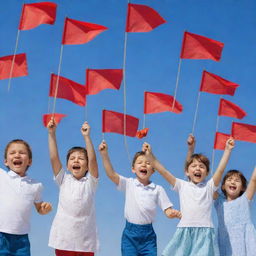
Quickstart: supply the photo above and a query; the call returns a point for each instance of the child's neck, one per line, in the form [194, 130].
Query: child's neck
[144, 182]
[231, 198]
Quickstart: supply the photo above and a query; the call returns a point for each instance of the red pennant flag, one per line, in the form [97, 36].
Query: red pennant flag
[114, 122]
[200, 47]
[57, 118]
[100, 79]
[220, 140]
[68, 89]
[36, 14]
[158, 102]
[244, 132]
[142, 133]
[227, 108]
[79, 32]
[20, 67]
[141, 18]
[212, 83]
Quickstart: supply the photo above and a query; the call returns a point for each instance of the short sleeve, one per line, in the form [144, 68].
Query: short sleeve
[59, 177]
[178, 185]
[93, 181]
[38, 195]
[163, 200]
[212, 186]
[122, 183]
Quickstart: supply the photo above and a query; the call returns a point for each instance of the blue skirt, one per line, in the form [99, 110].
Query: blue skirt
[192, 241]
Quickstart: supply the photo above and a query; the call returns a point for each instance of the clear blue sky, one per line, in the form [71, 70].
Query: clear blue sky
[152, 63]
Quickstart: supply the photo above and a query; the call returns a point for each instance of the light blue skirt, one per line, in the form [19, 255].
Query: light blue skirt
[190, 241]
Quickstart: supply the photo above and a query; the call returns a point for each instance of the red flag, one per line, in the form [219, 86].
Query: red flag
[200, 47]
[227, 108]
[57, 118]
[68, 89]
[141, 18]
[220, 140]
[79, 32]
[158, 102]
[244, 132]
[212, 83]
[36, 14]
[20, 67]
[142, 133]
[114, 122]
[100, 79]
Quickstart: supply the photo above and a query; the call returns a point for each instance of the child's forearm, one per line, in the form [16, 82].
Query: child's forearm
[92, 160]
[109, 168]
[250, 191]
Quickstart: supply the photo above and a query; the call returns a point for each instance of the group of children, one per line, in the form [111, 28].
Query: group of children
[73, 231]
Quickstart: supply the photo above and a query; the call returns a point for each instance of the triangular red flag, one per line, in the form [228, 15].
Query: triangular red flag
[68, 89]
[244, 132]
[100, 79]
[199, 47]
[114, 122]
[36, 14]
[142, 133]
[142, 18]
[212, 83]
[79, 32]
[57, 118]
[227, 108]
[158, 102]
[20, 67]
[220, 140]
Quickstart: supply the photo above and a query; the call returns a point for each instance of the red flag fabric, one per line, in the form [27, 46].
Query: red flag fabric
[212, 83]
[68, 89]
[100, 79]
[199, 47]
[57, 118]
[36, 14]
[158, 102]
[79, 32]
[114, 122]
[220, 140]
[20, 67]
[142, 18]
[227, 108]
[142, 133]
[244, 132]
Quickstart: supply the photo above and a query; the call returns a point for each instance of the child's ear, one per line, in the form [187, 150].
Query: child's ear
[5, 162]
[30, 162]
[133, 170]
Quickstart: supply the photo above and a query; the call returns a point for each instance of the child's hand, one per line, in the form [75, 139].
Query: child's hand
[146, 148]
[103, 147]
[191, 140]
[230, 144]
[85, 129]
[44, 208]
[172, 213]
[51, 126]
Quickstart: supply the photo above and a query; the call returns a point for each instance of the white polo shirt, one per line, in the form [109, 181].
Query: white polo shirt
[74, 225]
[17, 197]
[141, 201]
[195, 203]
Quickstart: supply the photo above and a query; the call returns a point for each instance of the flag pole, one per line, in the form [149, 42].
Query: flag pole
[176, 85]
[58, 78]
[213, 151]
[195, 116]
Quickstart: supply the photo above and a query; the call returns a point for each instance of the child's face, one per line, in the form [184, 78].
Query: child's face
[197, 171]
[17, 158]
[143, 169]
[233, 186]
[77, 164]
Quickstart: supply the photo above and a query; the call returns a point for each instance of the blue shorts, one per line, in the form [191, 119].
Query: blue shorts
[14, 245]
[138, 240]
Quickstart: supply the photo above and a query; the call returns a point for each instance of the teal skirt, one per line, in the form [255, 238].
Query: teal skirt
[190, 241]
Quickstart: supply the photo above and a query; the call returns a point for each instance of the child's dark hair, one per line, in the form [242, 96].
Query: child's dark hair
[18, 141]
[237, 173]
[199, 157]
[140, 153]
[74, 149]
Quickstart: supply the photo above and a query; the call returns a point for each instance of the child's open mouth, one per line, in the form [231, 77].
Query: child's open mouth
[17, 162]
[76, 167]
[144, 171]
[232, 187]
[198, 175]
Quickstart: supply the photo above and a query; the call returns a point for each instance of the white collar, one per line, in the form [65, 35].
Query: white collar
[14, 175]
[150, 185]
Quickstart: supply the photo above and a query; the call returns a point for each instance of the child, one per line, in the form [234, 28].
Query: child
[141, 198]
[73, 231]
[195, 233]
[236, 233]
[18, 194]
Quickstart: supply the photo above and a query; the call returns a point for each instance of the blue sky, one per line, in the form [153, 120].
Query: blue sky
[152, 63]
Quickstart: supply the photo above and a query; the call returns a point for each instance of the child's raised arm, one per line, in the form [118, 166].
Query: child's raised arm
[92, 161]
[114, 176]
[230, 143]
[53, 149]
[157, 165]
[251, 188]
[191, 141]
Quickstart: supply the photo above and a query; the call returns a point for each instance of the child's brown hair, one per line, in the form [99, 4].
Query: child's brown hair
[199, 157]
